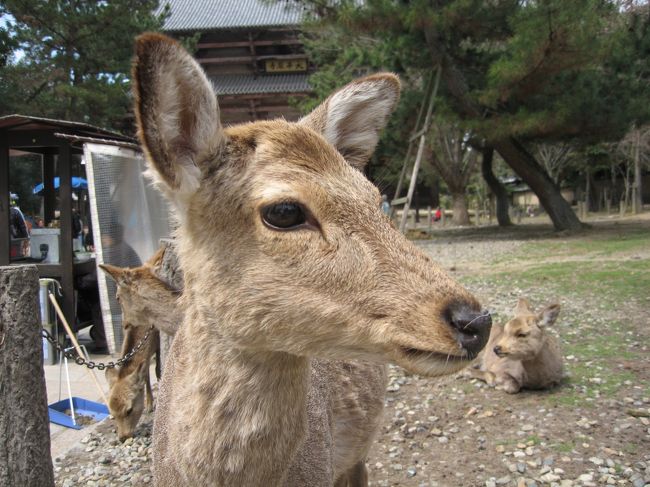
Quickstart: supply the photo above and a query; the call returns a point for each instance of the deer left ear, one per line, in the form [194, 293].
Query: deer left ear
[118, 274]
[176, 112]
[352, 117]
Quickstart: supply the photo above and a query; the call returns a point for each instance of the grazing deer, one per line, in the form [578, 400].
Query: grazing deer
[145, 300]
[297, 287]
[522, 354]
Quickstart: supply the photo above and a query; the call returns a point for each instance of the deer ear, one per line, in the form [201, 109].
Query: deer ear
[111, 377]
[351, 118]
[548, 315]
[117, 273]
[523, 307]
[176, 112]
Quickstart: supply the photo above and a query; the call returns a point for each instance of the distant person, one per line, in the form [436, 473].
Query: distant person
[17, 219]
[77, 224]
[18, 230]
[385, 205]
[437, 215]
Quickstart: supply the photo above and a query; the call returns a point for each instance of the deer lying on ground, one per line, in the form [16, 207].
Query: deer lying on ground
[522, 354]
[145, 300]
[297, 288]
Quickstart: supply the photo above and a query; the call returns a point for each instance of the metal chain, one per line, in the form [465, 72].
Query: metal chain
[89, 363]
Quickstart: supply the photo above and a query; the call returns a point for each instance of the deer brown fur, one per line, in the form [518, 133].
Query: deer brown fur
[145, 300]
[522, 354]
[297, 287]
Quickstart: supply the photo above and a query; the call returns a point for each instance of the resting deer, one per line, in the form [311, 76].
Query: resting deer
[522, 354]
[145, 300]
[297, 287]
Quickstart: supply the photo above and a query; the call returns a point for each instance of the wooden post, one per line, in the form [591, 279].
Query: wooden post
[443, 217]
[5, 211]
[25, 457]
[66, 256]
[429, 219]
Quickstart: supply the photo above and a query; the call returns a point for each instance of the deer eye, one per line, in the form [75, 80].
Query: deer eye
[283, 216]
[129, 411]
[522, 335]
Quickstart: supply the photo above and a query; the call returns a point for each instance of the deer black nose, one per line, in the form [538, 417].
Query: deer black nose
[473, 328]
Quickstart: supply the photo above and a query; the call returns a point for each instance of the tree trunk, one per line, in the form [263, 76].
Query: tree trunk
[515, 155]
[499, 192]
[550, 197]
[24, 425]
[638, 174]
[459, 207]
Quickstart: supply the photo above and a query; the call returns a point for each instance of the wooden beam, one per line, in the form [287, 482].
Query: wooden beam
[251, 103]
[255, 96]
[49, 194]
[249, 59]
[258, 109]
[251, 47]
[225, 45]
[5, 234]
[65, 236]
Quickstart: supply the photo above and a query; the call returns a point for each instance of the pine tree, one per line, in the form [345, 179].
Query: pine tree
[513, 72]
[71, 59]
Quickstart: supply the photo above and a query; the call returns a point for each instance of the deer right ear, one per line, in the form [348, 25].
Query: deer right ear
[111, 377]
[548, 315]
[177, 114]
[352, 117]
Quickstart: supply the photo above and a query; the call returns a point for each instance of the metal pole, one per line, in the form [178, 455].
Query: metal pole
[400, 181]
[418, 158]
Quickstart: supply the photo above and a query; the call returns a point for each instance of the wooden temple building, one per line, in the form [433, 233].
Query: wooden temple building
[251, 51]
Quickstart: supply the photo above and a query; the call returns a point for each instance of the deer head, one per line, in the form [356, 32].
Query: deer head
[281, 238]
[523, 336]
[138, 292]
[126, 399]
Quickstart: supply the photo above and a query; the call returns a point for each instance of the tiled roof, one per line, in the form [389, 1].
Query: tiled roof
[249, 84]
[229, 14]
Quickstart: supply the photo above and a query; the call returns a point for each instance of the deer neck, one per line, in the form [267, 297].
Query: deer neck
[161, 312]
[254, 406]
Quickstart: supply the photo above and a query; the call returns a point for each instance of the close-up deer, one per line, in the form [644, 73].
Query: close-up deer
[522, 354]
[297, 288]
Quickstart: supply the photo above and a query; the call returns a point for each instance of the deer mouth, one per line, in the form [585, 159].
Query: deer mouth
[418, 354]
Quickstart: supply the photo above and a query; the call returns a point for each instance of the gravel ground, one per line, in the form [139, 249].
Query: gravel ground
[455, 431]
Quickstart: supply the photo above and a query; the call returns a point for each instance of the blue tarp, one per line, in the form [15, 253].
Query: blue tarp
[77, 183]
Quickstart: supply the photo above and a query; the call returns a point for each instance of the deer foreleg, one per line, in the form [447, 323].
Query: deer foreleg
[148, 394]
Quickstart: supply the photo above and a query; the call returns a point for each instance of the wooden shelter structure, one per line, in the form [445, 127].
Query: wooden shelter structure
[57, 141]
[252, 52]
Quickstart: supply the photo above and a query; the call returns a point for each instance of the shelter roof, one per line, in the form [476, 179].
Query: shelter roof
[188, 15]
[25, 122]
[243, 84]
